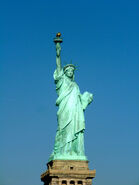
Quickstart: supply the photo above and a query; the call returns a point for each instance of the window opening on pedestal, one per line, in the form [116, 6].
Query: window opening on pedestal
[72, 182]
[80, 182]
[64, 182]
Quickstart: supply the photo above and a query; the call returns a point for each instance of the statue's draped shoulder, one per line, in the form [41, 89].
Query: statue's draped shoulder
[58, 75]
[58, 78]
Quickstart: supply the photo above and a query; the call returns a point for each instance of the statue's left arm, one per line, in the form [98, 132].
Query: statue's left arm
[86, 99]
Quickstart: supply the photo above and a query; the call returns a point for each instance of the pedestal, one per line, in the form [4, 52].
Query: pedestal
[68, 172]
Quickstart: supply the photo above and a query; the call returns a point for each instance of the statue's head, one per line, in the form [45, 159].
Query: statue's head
[69, 70]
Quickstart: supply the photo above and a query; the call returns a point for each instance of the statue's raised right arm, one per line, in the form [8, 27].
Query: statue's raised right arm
[58, 58]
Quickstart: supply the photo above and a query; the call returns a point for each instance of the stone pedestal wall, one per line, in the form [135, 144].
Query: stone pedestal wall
[68, 172]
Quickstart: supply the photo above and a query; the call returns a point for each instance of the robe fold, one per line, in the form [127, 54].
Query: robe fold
[70, 116]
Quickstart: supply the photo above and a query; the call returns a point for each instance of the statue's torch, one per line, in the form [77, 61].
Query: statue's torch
[57, 41]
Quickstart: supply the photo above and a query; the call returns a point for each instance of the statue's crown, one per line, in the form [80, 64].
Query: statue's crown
[66, 67]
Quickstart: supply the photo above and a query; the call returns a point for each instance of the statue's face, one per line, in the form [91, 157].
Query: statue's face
[69, 72]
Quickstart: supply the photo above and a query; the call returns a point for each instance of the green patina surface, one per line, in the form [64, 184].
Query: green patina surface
[69, 140]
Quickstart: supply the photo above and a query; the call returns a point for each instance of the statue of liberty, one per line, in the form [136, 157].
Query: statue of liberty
[69, 140]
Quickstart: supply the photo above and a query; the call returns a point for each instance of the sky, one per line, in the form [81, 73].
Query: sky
[102, 40]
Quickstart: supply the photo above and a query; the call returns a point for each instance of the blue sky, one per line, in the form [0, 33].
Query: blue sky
[102, 39]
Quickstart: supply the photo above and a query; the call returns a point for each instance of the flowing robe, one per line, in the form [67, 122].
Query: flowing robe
[71, 123]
